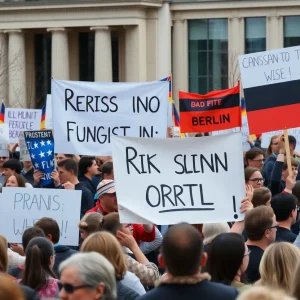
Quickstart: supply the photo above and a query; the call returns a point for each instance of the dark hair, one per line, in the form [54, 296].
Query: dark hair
[85, 162]
[199, 134]
[14, 165]
[252, 153]
[292, 141]
[296, 191]
[20, 180]
[182, 249]
[257, 221]
[31, 233]
[283, 204]
[294, 163]
[269, 149]
[49, 226]
[69, 165]
[111, 223]
[107, 167]
[225, 256]
[37, 263]
[248, 173]
[261, 196]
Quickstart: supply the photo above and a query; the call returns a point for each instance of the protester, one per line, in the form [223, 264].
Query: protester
[211, 230]
[60, 157]
[264, 293]
[90, 223]
[38, 273]
[51, 229]
[296, 286]
[87, 276]
[260, 227]
[28, 171]
[273, 147]
[278, 266]
[15, 180]
[261, 196]
[108, 170]
[9, 290]
[68, 171]
[284, 206]
[228, 259]
[255, 158]
[3, 159]
[128, 285]
[3, 255]
[183, 257]
[253, 177]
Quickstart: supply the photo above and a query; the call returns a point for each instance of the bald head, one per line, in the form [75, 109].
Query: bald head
[182, 248]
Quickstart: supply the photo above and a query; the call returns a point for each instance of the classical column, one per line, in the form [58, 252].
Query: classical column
[274, 32]
[103, 55]
[30, 70]
[135, 51]
[16, 68]
[236, 34]
[74, 55]
[164, 40]
[179, 59]
[60, 54]
[3, 67]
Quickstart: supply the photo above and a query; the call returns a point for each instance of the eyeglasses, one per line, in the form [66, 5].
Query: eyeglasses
[70, 289]
[275, 226]
[257, 180]
[260, 160]
[248, 253]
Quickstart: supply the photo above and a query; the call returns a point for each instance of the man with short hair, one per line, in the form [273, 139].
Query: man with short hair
[52, 232]
[27, 236]
[182, 256]
[260, 227]
[88, 168]
[255, 158]
[285, 209]
[67, 179]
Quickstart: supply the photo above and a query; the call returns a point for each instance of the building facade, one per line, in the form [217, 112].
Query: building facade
[198, 42]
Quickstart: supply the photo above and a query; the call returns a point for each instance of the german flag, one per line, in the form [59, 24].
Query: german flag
[2, 113]
[217, 110]
[43, 118]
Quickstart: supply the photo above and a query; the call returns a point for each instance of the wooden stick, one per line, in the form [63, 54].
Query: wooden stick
[287, 151]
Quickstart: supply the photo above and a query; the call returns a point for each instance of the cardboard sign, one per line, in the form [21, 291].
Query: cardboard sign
[40, 145]
[24, 153]
[167, 181]
[21, 208]
[4, 140]
[87, 115]
[217, 110]
[271, 83]
[21, 119]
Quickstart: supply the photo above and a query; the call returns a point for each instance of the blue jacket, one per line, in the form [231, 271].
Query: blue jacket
[61, 253]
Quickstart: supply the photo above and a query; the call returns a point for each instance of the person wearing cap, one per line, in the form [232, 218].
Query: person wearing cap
[285, 209]
[107, 203]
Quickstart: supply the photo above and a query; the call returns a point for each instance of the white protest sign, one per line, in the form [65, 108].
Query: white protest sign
[24, 153]
[21, 208]
[245, 133]
[4, 140]
[167, 181]
[87, 114]
[266, 137]
[21, 119]
[49, 124]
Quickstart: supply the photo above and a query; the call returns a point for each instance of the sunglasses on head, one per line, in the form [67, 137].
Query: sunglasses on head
[70, 289]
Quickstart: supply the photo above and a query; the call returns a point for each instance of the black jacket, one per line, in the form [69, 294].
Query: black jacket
[88, 184]
[29, 293]
[61, 253]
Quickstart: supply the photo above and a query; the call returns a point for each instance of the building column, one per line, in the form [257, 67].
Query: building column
[274, 32]
[103, 55]
[135, 51]
[236, 34]
[30, 70]
[180, 59]
[16, 68]
[3, 67]
[59, 54]
[164, 40]
[74, 55]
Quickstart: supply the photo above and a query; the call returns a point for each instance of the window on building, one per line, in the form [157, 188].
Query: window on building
[291, 31]
[208, 55]
[255, 34]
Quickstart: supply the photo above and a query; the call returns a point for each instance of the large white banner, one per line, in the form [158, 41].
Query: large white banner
[87, 114]
[21, 208]
[21, 119]
[166, 181]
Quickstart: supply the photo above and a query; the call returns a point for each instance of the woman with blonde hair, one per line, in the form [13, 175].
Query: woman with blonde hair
[264, 293]
[211, 230]
[273, 147]
[3, 254]
[128, 285]
[278, 265]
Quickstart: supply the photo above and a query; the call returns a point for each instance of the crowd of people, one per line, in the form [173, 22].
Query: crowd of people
[257, 258]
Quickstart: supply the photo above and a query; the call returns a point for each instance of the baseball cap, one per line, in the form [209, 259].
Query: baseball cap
[106, 186]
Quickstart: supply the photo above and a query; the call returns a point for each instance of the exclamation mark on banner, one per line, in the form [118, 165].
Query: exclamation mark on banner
[234, 207]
